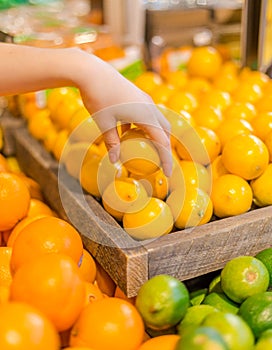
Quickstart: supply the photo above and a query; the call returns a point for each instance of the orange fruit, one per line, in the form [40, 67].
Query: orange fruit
[24, 327]
[78, 348]
[254, 77]
[208, 116]
[48, 283]
[14, 200]
[33, 186]
[246, 156]
[190, 207]
[240, 110]
[4, 294]
[148, 81]
[87, 267]
[5, 273]
[161, 342]
[205, 62]
[231, 195]
[199, 144]
[262, 188]
[123, 194]
[153, 220]
[216, 168]
[244, 276]
[46, 235]
[232, 127]
[18, 227]
[93, 293]
[109, 323]
[181, 100]
[104, 281]
[4, 166]
[120, 294]
[262, 124]
[38, 207]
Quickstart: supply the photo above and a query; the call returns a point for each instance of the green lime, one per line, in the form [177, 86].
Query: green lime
[202, 338]
[195, 315]
[221, 302]
[266, 258]
[244, 276]
[162, 301]
[256, 310]
[215, 285]
[197, 296]
[235, 331]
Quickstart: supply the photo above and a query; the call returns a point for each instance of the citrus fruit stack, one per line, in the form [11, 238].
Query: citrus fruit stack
[221, 137]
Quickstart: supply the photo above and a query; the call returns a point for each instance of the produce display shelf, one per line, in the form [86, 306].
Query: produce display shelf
[185, 254]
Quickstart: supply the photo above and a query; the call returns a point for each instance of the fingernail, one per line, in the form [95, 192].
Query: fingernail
[113, 157]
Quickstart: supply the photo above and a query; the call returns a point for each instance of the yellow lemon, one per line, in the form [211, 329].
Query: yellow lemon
[124, 195]
[232, 127]
[240, 110]
[231, 195]
[181, 100]
[148, 81]
[190, 207]
[152, 221]
[262, 188]
[204, 62]
[138, 153]
[246, 156]
[262, 124]
[188, 174]
[156, 184]
[208, 116]
[216, 168]
[268, 143]
[200, 144]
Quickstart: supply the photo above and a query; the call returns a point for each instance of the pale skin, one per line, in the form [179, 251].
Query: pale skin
[107, 95]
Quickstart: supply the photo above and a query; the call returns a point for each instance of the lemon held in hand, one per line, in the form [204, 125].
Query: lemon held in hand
[162, 302]
[138, 153]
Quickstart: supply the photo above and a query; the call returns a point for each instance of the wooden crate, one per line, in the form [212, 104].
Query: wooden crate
[184, 254]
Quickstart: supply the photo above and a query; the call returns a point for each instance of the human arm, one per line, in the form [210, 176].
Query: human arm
[24, 69]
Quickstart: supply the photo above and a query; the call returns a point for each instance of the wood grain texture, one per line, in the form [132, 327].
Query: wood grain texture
[184, 254]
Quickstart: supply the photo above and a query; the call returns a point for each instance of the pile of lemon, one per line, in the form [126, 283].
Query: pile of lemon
[221, 125]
